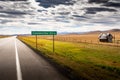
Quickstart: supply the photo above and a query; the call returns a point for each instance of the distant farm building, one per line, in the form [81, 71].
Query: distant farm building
[105, 37]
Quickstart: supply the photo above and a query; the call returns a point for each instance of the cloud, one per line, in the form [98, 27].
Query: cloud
[25, 16]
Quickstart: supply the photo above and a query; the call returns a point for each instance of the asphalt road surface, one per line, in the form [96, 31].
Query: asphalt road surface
[19, 62]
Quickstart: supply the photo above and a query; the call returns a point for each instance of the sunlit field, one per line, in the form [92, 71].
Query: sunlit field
[3, 36]
[86, 38]
[84, 60]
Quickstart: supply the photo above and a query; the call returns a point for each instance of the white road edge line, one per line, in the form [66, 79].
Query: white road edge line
[19, 73]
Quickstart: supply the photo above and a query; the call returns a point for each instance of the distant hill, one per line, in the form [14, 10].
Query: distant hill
[71, 33]
[97, 32]
[91, 32]
[114, 30]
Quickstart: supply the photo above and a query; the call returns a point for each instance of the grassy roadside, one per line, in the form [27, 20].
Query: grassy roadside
[3, 36]
[86, 61]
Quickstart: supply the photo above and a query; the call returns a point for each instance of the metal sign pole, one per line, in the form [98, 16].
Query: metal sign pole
[53, 43]
[36, 41]
[114, 38]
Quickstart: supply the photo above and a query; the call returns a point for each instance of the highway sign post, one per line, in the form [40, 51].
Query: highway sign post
[36, 41]
[45, 33]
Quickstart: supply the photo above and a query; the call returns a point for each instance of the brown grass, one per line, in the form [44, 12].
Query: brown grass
[3, 36]
[87, 38]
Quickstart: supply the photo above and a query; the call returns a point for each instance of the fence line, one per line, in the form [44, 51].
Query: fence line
[115, 43]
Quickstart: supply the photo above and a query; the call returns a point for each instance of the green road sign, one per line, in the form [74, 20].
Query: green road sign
[44, 32]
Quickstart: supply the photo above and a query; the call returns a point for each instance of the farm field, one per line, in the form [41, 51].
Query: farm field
[3, 36]
[82, 60]
[86, 38]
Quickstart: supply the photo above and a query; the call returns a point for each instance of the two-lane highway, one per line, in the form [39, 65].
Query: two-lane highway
[19, 62]
[7, 59]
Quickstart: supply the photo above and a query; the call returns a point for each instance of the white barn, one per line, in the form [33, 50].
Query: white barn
[105, 37]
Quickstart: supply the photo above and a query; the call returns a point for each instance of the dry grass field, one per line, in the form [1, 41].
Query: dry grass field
[86, 38]
[3, 36]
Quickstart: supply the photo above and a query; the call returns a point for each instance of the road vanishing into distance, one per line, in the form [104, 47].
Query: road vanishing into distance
[19, 62]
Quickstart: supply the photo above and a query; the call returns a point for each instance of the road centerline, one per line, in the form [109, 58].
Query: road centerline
[18, 68]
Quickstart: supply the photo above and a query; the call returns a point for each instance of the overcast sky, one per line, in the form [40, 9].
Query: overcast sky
[21, 17]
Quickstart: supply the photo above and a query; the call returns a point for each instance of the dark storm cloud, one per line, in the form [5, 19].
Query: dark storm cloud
[11, 16]
[112, 4]
[98, 1]
[4, 21]
[49, 3]
[13, 0]
[93, 10]
[15, 9]
[34, 23]
[80, 18]
[14, 12]
[109, 3]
